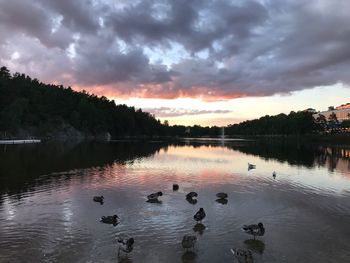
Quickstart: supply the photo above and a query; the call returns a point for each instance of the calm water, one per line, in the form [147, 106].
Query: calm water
[47, 213]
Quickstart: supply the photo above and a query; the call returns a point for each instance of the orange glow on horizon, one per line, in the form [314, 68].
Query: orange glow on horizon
[158, 92]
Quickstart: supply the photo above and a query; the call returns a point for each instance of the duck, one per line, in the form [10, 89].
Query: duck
[110, 220]
[243, 256]
[175, 187]
[254, 230]
[98, 199]
[188, 241]
[126, 245]
[221, 195]
[154, 196]
[200, 215]
[274, 174]
[191, 195]
[251, 166]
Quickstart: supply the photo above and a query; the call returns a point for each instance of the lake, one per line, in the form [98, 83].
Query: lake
[47, 213]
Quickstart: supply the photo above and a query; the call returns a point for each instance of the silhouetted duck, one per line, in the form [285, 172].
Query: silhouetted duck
[98, 199]
[200, 215]
[251, 166]
[110, 220]
[254, 230]
[154, 196]
[175, 187]
[191, 195]
[274, 174]
[126, 245]
[188, 242]
[221, 195]
[243, 256]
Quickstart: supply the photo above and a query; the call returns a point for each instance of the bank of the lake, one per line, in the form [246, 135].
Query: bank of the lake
[336, 138]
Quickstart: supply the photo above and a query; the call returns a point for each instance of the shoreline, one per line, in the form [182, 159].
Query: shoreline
[30, 141]
[310, 138]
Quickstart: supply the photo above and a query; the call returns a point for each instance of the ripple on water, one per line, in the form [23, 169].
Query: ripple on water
[58, 218]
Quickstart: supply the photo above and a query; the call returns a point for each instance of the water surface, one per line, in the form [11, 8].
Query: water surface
[47, 213]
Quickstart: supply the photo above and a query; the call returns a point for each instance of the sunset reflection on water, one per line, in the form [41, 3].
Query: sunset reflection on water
[50, 206]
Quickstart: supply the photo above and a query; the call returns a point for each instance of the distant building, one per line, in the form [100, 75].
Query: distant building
[343, 106]
[342, 112]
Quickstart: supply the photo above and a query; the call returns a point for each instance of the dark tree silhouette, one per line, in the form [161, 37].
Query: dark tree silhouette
[40, 109]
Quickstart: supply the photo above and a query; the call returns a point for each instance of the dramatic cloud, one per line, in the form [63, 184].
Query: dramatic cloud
[174, 112]
[178, 48]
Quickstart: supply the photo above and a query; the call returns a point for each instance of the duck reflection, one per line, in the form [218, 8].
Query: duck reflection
[243, 256]
[154, 201]
[192, 201]
[199, 228]
[222, 201]
[189, 256]
[124, 259]
[255, 245]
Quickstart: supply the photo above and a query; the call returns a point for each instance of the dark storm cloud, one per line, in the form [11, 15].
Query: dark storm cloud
[20, 16]
[78, 15]
[208, 49]
[101, 62]
[194, 24]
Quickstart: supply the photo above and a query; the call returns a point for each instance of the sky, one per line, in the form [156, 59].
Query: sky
[213, 62]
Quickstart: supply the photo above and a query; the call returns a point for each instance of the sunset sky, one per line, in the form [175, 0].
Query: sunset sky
[211, 62]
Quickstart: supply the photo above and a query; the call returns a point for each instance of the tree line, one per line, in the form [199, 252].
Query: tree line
[30, 107]
[27, 104]
[295, 123]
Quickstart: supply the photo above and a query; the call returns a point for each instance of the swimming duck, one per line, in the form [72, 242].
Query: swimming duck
[188, 242]
[110, 220]
[221, 195]
[254, 230]
[200, 215]
[126, 245]
[154, 196]
[243, 256]
[274, 174]
[175, 187]
[191, 195]
[251, 166]
[98, 199]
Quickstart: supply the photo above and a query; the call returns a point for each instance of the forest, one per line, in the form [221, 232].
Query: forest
[295, 123]
[30, 107]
